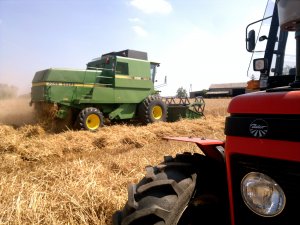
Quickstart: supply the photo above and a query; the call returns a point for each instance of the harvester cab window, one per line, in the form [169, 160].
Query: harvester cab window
[153, 69]
[122, 68]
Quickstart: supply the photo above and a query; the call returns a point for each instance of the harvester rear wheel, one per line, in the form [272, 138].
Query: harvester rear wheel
[180, 191]
[90, 119]
[152, 109]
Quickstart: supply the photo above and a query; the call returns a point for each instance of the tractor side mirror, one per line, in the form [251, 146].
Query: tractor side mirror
[250, 41]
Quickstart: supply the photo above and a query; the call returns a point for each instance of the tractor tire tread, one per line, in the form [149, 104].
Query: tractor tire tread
[162, 194]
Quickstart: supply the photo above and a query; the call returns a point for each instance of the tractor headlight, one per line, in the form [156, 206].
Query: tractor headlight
[262, 194]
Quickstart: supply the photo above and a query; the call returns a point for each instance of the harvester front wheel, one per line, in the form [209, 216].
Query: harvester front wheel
[152, 109]
[90, 119]
[183, 190]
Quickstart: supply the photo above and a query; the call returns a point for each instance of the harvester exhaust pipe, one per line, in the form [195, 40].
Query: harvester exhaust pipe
[289, 19]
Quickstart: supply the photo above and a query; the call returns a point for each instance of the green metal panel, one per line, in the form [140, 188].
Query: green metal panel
[131, 82]
[61, 94]
[103, 95]
[67, 95]
[125, 95]
[70, 76]
[124, 111]
[66, 76]
[137, 67]
[107, 108]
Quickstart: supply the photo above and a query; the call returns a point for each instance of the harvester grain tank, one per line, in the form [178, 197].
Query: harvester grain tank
[253, 177]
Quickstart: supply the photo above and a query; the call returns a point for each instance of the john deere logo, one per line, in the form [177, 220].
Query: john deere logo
[258, 128]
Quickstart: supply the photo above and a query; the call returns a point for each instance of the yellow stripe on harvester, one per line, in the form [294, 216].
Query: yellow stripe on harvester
[85, 85]
[61, 84]
[39, 84]
[131, 78]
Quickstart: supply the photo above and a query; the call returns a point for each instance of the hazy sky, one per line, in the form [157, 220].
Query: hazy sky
[197, 42]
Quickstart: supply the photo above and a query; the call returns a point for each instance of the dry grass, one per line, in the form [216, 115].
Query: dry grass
[78, 177]
[216, 107]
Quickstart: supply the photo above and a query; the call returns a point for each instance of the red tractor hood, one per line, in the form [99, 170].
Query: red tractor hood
[279, 102]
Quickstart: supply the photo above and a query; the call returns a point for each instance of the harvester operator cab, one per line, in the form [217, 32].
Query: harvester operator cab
[125, 62]
[273, 61]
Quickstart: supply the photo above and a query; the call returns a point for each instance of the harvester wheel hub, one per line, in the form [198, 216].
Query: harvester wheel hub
[157, 112]
[93, 122]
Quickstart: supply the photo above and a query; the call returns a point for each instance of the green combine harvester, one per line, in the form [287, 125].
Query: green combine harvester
[116, 86]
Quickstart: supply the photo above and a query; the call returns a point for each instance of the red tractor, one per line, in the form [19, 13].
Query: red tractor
[253, 178]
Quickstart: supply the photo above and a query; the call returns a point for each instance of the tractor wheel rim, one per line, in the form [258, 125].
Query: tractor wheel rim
[93, 122]
[157, 112]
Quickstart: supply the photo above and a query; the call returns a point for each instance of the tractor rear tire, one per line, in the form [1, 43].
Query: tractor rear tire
[152, 109]
[179, 191]
[90, 119]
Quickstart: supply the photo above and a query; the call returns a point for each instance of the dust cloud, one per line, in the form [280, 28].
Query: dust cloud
[16, 112]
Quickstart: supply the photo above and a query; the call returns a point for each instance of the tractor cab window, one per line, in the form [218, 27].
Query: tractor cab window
[284, 56]
[273, 51]
[289, 60]
[262, 33]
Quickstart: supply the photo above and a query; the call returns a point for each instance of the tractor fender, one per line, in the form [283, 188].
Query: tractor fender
[211, 148]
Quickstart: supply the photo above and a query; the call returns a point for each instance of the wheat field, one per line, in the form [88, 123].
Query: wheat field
[79, 177]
